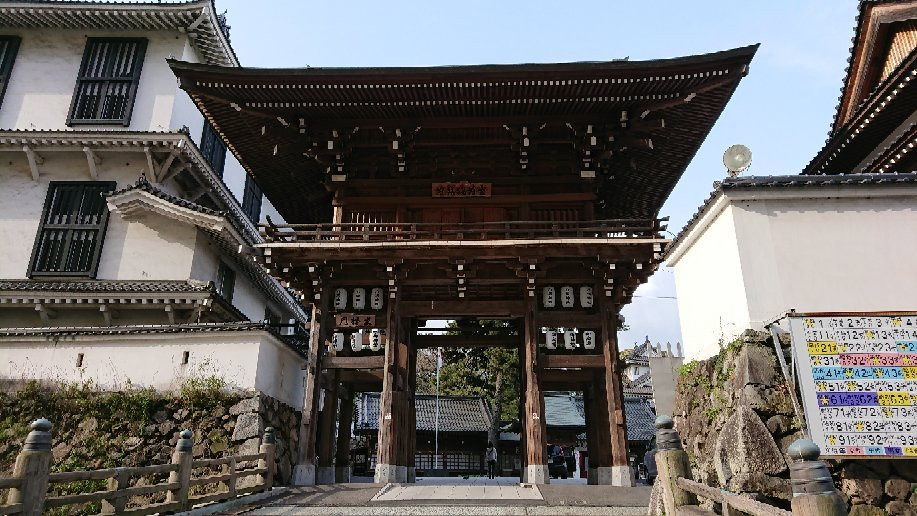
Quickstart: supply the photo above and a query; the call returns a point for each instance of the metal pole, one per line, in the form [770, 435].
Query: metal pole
[439, 364]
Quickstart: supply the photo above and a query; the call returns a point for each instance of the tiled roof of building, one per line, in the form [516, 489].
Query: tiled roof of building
[456, 413]
[134, 329]
[144, 185]
[206, 29]
[106, 286]
[567, 410]
[794, 181]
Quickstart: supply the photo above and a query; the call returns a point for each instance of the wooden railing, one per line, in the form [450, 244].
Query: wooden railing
[814, 493]
[32, 478]
[510, 230]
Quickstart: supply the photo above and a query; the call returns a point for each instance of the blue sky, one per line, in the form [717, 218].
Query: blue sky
[781, 110]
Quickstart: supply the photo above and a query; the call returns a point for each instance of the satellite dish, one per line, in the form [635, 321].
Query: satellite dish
[737, 158]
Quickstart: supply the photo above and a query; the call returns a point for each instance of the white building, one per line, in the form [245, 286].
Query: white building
[119, 237]
[841, 236]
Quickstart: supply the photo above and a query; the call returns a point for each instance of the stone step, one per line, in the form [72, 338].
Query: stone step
[448, 510]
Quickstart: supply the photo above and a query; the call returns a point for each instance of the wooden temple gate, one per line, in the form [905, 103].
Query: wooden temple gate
[520, 192]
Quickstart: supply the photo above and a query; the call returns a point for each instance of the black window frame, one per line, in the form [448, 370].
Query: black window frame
[213, 148]
[69, 229]
[224, 272]
[252, 199]
[106, 82]
[7, 61]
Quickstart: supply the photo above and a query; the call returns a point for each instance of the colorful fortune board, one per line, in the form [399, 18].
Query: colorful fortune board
[858, 378]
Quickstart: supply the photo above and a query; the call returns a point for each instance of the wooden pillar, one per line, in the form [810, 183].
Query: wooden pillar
[392, 401]
[592, 430]
[618, 473]
[411, 409]
[327, 420]
[533, 420]
[342, 453]
[304, 472]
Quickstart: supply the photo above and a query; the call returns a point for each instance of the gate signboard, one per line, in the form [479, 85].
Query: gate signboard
[858, 379]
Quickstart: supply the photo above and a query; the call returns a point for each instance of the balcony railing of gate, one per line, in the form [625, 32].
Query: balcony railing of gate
[509, 230]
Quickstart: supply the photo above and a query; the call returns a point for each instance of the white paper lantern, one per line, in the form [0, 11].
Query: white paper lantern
[585, 297]
[566, 296]
[551, 339]
[570, 339]
[338, 341]
[547, 297]
[359, 298]
[589, 339]
[376, 298]
[356, 341]
[375, 340]
[340, 298]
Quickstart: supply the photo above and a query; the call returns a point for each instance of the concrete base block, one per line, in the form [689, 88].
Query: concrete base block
[615, 476]
[342, 474]
[324, 475]
[537, 474]
[412, 475]
[401, 473]
[303, 475]
[592, 477]
[387, 474]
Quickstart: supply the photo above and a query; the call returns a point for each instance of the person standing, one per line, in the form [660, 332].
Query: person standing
[491, 460]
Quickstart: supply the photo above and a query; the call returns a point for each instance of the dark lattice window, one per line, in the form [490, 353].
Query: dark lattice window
[9, 45]
[251, 199]
[107, 83]
[226, 281]
[213, 149]
[72, 228]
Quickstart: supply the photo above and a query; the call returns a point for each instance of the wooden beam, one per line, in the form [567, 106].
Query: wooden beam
[463, 341]
[553, 377]
[572, 361]
[415, 201]
[450, 308]
[613, 395]
[362, 377]
[365, 362]
[45, 313]
[108, 314]
[533, 416]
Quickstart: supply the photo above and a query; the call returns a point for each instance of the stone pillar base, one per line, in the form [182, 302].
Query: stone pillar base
[592, 477]
[537, 474]
[390, 474]
[615, 476]
[324, 475]
[412, 475]
[303, 475]
[342, 474]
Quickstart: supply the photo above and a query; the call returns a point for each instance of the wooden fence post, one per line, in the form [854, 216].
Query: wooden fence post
[671, 462]
[813, 488]
[181, 456]
[33, 465]
[268, 448]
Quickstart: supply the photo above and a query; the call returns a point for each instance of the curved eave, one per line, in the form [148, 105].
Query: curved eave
[245, 103]
[882, 113]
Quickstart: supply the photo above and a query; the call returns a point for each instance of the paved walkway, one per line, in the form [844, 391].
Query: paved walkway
[455, 496]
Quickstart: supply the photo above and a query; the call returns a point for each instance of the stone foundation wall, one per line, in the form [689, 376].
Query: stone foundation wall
[138, 427]
[736, 419]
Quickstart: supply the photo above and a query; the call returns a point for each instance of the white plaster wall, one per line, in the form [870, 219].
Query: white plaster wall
[245, 360]
[151, 247]
[184, 112]
[44, 76]
[22, 200]
[712, 304]
[829, 254]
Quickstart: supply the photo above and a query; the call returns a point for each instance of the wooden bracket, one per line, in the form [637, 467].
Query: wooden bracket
[45, 313]
[35, 160]
[93, 160]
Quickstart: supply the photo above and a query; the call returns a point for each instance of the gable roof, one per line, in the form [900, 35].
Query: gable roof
[206, 29]
[456, 413]
[870, 131]
[664, 107]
